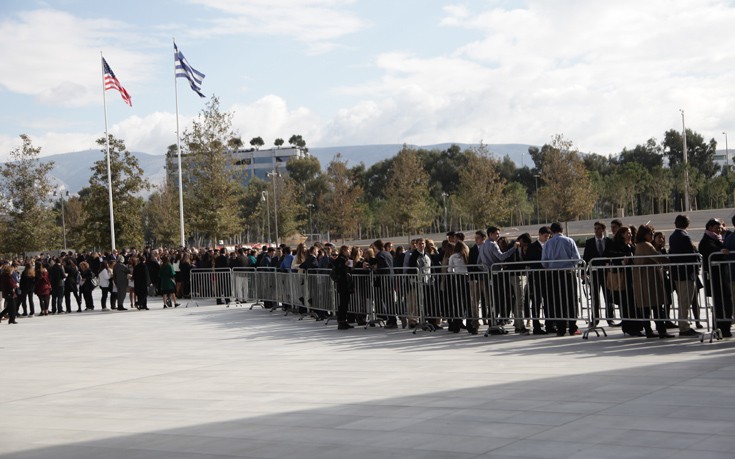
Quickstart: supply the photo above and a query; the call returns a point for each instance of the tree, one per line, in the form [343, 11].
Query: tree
[406, 203]
[257, 142]
[480, 195]
[700, 154]
[290, 211]
[660, 186]
[25, 189]
[568, 192]
[297, 141]
[649, 155]
[278, 143]
[161, 217]
[253, 211]
[342, 199]
[127, 184]
[212, 192]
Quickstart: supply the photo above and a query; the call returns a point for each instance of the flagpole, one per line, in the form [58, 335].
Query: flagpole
[109, 172]
[178, 151]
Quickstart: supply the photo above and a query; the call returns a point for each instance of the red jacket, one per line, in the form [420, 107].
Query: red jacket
[8, 285]
[43, 284]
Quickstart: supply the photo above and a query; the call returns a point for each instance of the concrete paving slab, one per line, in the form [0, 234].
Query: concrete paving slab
[220, 382]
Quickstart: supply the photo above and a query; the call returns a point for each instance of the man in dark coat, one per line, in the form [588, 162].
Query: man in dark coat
[594, 247]
[685, 275]
[536, 282]
[717, 277]
[56, 275]
[223, 262]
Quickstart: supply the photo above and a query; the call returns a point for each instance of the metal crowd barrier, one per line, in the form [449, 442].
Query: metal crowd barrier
[245, 286]
[320, 292]
[629, 290]
[209, 283]
[523, 291]
[361, 300]
[719, 281]
[640, 289]
[265, 288]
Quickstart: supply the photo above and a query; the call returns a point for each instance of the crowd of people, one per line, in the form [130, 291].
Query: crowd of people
[635, 279]
[542, 300]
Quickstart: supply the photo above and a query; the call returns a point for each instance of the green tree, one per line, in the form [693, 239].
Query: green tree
[481, 195]
[567, 193]
[342, 199]
[278, 142]
[298, 141]
[127, 185]
[700, 154]
[407, 205]
[660, 186]
[212, 191]
[26, 188]
[649, 155]
[161, 217]
[253, 211]
[257, 142]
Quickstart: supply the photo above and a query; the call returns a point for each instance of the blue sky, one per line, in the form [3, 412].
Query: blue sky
[608, 75]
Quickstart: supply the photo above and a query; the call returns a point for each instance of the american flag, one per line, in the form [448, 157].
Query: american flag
[111, 82]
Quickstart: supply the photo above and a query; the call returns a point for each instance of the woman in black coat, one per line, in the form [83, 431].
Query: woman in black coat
[141, 281]
[619, 281]
[342, 277]
[717, 278]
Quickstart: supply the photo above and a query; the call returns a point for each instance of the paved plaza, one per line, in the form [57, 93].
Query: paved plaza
[213, 382]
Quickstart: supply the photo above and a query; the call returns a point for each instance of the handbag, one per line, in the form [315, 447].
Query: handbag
[151, 290]
[615, 281]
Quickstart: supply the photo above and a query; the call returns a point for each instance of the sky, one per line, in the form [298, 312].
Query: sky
[606, 75]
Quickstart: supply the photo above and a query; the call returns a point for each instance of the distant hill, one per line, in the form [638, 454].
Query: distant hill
[72, 170]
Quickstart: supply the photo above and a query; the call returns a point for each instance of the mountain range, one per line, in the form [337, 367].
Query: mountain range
[71, 171]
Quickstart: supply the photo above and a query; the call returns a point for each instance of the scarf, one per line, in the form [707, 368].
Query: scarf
[715, 236]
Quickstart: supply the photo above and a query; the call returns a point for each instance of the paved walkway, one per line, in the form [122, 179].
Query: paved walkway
[211, 382]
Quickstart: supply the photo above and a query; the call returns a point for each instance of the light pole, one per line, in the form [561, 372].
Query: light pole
[63, 216]
[538, 217]
[686, 167]
[727, 153]
[445, 195]
[274, 175]
[264, 198]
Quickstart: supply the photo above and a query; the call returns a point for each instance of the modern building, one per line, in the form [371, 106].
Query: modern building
[258, 163]
[723, 158]
[255, 163]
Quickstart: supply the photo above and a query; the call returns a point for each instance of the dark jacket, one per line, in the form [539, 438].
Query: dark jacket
[56, 276]
[141, 279]
[342, 275]
[310, 263]
[590, 249]
[681, 244]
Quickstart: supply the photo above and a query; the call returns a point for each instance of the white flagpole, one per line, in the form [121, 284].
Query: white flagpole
[178, 151]
[109, 173]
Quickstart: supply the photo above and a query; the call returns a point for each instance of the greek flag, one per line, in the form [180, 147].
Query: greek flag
[184, 70]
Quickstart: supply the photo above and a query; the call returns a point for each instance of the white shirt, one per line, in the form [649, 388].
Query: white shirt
[104, 278]
[457, 264]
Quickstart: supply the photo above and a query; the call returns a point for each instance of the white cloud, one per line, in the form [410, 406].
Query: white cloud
[317, 23]
[607, 75]
[55, 56]
[270, 118]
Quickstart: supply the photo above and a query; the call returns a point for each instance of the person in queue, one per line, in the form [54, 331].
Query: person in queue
[561, 255]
